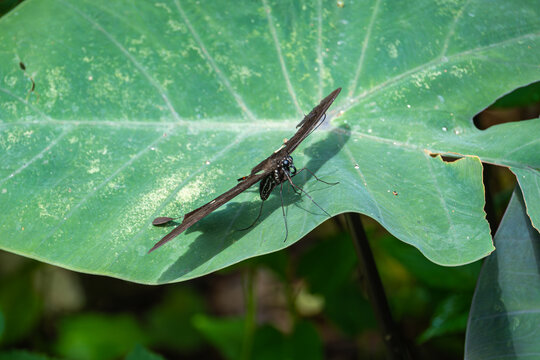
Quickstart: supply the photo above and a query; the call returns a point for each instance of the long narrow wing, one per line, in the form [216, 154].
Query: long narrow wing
[192, 217]
[311, 121]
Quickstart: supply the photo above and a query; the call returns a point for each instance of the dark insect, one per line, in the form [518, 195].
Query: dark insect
[33, 87]
[275, 170]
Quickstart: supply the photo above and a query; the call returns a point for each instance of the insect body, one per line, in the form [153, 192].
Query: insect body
[284, 171]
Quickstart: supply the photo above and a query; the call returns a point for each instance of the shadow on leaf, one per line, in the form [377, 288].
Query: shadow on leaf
[238, 215]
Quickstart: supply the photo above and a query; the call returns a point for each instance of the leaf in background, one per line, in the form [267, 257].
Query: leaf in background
[450, 317]
[21, 304]
[328, 268]
[97, 336]
[225, 334]
[303, 343]
[459, 278]
[7, 5]
[151, 109]
[269, 343]
[169, 322]
[348, 309]
[141, 353]
[529, 181]
[504, 317]
[22, 355]
[525, 96]
[328, 264]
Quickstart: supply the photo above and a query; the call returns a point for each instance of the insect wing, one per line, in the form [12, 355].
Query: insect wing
[194, 216]
[310, 122]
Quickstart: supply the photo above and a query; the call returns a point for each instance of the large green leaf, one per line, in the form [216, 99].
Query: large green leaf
[144, 109]
[504, 317]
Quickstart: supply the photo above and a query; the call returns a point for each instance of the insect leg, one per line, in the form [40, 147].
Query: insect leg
[316, 178]
[33, 87]
[310, 198]
[283, 210]
[258, 216]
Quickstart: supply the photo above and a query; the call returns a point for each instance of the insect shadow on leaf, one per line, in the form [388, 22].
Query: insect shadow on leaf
[197, 256]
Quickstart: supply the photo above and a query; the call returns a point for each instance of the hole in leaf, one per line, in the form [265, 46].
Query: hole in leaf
[445, 158]
[520, 104]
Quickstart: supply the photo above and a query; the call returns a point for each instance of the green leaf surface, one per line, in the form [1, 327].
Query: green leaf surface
[504, 317]
[145, 109]
[529, 181]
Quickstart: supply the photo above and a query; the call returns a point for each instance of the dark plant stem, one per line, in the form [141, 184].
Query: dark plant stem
[251, 308]
[489, 208]
[372, 285]
[290, 295]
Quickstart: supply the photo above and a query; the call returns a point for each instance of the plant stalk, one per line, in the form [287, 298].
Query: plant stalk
[251, 309]
[372, 286]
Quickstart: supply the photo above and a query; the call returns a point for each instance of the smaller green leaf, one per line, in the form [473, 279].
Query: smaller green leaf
[504, 317]
[225, 334]
[529, 180]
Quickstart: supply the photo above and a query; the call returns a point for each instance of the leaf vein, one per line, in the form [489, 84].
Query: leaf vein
[37, 156]
[365, 44]
[280, 57]
[240, 102]
[130, 57]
